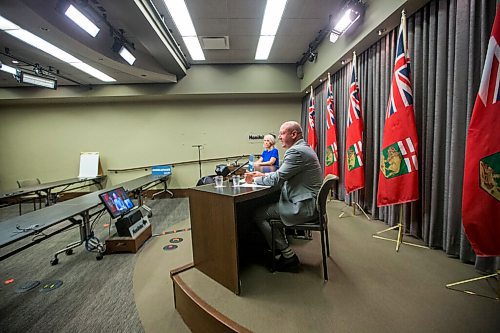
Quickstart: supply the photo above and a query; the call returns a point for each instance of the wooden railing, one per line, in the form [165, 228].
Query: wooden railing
[174, 164]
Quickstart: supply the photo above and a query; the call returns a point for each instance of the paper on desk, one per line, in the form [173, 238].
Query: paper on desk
[253, 185]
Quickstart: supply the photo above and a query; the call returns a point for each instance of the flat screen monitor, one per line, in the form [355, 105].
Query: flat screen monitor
[116, 201]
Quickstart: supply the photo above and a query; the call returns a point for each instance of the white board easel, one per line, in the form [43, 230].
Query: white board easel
[90, 166]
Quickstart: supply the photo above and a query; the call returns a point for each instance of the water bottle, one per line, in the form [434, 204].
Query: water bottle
[250, 163]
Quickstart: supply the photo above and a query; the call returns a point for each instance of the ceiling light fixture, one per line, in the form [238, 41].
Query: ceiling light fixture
[264, 47]
[125, 54]
[184, 23]
[37, 80]
[81, 20]
[120, 48]
[41, 44]
[270, 23]
[8, 69]
[351, 14]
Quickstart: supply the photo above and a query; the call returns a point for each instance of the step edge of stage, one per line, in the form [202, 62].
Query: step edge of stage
[196, 313]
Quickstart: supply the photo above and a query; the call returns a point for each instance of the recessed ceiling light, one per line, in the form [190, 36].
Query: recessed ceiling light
[184, 23]
[270, 23]
[264, 47]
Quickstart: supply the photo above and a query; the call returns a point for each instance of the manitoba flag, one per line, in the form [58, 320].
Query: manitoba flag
[398, 177]
[331, 156]
[481, 191]
[311, 123]
[354, 167]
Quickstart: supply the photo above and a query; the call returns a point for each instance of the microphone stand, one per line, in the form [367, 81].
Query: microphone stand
[238, 168]
[236, 161]
[199, 155]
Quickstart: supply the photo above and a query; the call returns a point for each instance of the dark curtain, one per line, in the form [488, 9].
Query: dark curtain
[447, 43]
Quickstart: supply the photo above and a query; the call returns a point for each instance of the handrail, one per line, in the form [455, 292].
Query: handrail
[146, 167]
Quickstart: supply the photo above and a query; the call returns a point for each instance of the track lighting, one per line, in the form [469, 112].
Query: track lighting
[350, 14]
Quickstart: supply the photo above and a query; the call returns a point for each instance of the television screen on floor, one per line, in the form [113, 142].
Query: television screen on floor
[117, 202]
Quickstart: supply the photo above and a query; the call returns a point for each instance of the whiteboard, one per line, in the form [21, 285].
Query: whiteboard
[89, 164]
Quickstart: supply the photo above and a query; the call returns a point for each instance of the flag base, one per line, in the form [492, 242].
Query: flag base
[468, 292]
[399, 240]
[354, 205]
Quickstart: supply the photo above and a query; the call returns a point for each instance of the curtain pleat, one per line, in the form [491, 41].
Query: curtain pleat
[447, 42]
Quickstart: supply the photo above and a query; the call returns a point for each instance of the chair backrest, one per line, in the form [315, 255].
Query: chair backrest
[28, 182]
[206, 180]
[323, 193]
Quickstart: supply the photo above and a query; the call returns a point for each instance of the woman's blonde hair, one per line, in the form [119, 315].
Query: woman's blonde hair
[270, 138]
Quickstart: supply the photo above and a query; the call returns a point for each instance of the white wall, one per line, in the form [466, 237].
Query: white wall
[45, 140]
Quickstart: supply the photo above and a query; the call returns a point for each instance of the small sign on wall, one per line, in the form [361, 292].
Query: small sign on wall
[257, 138]
[161, 170]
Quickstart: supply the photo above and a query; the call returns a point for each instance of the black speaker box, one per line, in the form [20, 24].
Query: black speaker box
[124, 223]
[222, 170]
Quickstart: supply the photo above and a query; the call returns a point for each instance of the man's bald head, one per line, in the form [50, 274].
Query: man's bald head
[290, 132]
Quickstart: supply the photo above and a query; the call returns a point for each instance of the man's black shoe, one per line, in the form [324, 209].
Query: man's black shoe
[291, 264]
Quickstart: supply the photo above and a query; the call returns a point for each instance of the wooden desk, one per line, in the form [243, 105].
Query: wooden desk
[214, 229]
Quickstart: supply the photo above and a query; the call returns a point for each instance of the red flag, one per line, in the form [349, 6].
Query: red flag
[354, 161]
[398, 177]
[481, 191]
[311, 126]
[331, 153]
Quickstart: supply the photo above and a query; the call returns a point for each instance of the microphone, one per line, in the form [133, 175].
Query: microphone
[237, 159]
[238, 168]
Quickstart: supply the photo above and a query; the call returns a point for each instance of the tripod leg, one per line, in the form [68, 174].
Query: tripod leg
[400, 237]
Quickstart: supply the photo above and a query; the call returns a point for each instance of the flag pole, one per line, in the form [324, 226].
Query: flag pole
[494, 275]
[399, 239]
[355, 204]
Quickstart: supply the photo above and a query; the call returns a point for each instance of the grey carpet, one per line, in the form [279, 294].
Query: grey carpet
[95, 295]
[371, 288]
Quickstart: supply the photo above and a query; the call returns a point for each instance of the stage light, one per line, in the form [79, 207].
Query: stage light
[37, 80]
[125, 54]
[334, 37]
[312, 56]
[120, 48]
[81, 20]
[346, 21]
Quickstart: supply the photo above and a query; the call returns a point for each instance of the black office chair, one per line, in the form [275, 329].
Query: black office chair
[318, 224]
[206, 180]
[29, 197]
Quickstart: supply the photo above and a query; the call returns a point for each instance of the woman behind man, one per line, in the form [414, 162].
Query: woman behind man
[270, 155]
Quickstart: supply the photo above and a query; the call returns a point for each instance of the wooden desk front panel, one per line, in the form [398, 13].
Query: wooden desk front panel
[214, 237]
